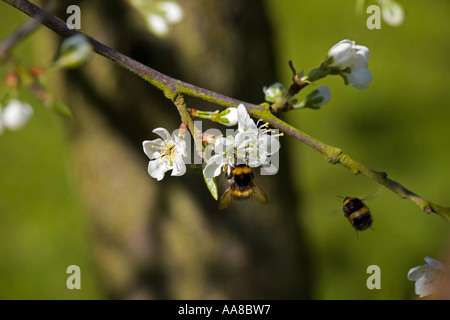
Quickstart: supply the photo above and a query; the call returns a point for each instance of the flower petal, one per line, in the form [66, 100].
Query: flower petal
[245, 123]
[360, 78]
[362, 51]
[342, 53]
[427, 284]
[156, 169]
[163, 133]
[435, 264]
[179, 168]
[416, 273]
[214, 165]
[152, 148]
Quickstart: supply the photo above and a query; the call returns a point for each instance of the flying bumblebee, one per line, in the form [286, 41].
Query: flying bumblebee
[241, 186]
[357, 213]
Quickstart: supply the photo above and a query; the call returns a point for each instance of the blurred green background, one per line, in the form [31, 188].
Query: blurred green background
[400, 125]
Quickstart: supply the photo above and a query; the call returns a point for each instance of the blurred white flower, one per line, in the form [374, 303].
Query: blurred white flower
[392, 13]
[165, 154]
[157, 24]
[172, 11]
[159, 15]
[15, 115]
[427, 277]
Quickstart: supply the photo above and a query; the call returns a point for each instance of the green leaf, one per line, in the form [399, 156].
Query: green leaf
[212, 187]
[61, 108]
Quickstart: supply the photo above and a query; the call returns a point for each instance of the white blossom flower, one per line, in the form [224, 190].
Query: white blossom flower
[165, 154]
[15, 115]
[224, 149]
[353, 60]
[253, 144]
[427, 277]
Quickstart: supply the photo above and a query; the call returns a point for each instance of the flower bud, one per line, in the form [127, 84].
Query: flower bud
[74, 51]
[315, 99]
[229, 117]
[274, 92]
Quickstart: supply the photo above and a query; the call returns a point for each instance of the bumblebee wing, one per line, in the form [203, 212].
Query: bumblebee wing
[258, 194]
[373, 194]
[225, 200]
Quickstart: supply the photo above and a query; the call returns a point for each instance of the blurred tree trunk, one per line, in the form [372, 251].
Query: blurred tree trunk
[167, 240]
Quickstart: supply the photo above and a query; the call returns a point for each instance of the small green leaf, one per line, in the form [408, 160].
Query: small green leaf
[212, 187]
[61, 108]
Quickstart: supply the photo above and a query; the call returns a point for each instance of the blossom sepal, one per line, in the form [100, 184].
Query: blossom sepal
[212, 187]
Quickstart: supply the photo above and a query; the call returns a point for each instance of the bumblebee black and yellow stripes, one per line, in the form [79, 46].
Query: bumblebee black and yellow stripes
[357, 213]
[241, 186]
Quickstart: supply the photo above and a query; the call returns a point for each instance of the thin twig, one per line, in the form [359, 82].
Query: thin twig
[24, 30]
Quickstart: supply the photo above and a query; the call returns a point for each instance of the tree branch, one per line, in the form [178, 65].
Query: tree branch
[175, 90]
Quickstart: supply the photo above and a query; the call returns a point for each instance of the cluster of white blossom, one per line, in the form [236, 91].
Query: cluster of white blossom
[252, 145]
